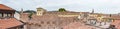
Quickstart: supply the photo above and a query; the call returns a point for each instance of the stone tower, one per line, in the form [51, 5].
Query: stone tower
[40, 11]
[92, 11]
[21, 12]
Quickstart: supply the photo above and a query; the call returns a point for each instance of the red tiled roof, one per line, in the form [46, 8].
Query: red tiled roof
[65, 13]
[78, 25]
[116, 23]
[66, 20]
[5, 7]
[51, 18]
[115, 17]
[8, 23]
[45, 17]
[24, 17]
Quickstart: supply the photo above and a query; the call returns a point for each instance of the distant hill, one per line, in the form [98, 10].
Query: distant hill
[27, 11]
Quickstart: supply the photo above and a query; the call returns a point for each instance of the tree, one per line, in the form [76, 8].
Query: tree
[18, 12]
[29, 11]
[30, 15]
[61, 10]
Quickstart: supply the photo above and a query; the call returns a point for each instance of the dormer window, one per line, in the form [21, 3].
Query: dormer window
[0, 14]
[5, 15]
[38, 10]
[6, 12]
[42, 22]
[8, 15]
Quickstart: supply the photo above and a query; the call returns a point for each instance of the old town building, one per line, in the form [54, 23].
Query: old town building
[49, 19]
[7, 20]
[44, 19]
[66, 20]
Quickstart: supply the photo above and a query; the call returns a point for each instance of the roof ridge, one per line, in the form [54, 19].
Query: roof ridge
[2, 6]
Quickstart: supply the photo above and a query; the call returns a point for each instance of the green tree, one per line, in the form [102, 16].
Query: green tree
[29, 11]
[30, 15]
[61, 10]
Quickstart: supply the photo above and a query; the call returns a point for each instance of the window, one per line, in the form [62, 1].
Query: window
[5, 15]
[42, 22]
[8, 15]
[39, 10]
[48, 22]
[0, 14]
[61, 28]
[39, 25]
[53, 22]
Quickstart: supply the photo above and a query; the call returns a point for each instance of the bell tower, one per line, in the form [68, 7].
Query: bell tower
[92, 11]
[40, 11]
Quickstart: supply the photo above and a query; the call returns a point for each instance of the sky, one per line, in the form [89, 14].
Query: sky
[99, 6]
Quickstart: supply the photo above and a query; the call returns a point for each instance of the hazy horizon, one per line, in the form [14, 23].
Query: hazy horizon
[100, 6]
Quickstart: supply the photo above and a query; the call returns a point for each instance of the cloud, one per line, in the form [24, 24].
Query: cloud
[0, 2]
[100, 6]
[18, 4]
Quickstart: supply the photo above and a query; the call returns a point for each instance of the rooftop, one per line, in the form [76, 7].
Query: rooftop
[78, 25]
[8, 23]
[4, 7]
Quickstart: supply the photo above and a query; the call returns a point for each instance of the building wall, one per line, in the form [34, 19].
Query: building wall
[68, 15]
[17, 15]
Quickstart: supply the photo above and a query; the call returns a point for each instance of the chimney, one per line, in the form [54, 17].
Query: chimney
[110, 15]
[92, 11]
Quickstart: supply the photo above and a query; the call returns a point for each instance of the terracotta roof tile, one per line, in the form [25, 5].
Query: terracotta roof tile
[78, 25]
[115, 17]
[116, 23]
[8, 23]
[3, 7]
[65, 13]
[24, 17]
[66, 20]
[45, 18]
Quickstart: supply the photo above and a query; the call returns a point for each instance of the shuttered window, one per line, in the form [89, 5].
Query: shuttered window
[0, 14]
